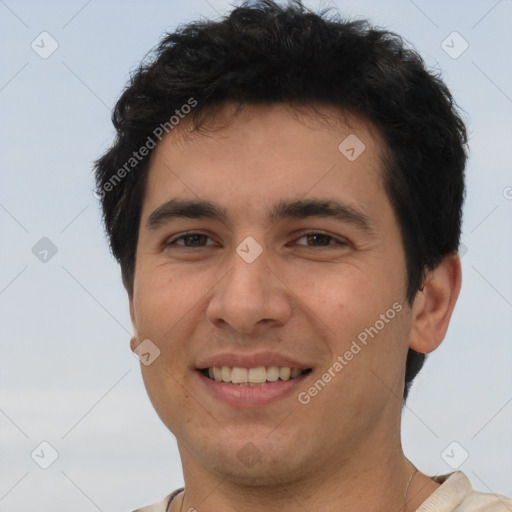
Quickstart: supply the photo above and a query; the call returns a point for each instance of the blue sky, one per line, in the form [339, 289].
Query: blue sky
[67, 375]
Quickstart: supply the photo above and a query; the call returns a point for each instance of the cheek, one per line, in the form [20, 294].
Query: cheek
[364, 316]
[345, 297]
[160, 301]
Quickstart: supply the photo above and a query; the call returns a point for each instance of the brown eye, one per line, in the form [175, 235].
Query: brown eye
[315, 239]
[190, 240]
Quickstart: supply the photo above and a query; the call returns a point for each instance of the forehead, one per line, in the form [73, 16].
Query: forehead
[248, 160]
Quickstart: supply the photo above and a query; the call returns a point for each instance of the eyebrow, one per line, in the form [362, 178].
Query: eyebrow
[298, 209]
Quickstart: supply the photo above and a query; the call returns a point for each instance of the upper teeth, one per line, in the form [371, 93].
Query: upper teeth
[258, 375]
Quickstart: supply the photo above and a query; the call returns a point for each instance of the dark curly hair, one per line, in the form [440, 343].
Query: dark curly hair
[266, 53]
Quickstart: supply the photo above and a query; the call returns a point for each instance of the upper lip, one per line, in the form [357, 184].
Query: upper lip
[251, 360]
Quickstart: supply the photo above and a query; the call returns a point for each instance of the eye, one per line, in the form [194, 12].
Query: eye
[313, 239]
[190, 240]
[319, 239]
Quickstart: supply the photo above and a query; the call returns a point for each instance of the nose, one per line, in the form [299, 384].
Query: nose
[250, 296]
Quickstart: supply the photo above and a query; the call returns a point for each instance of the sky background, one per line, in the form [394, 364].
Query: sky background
[67, 375]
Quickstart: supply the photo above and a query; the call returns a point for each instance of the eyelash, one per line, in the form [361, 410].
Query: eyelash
[309, 233]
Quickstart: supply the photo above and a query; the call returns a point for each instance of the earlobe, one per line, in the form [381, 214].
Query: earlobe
[433, 305]
[133, 342]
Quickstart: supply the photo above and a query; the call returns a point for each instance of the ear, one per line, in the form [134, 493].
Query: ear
[433, 305]
[134, 340]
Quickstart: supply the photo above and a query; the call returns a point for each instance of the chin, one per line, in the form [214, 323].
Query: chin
[264, 473]
[250, 460]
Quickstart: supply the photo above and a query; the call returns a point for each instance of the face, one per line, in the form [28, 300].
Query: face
[268, 249]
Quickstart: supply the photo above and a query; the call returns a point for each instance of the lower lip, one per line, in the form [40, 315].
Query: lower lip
[252, 396]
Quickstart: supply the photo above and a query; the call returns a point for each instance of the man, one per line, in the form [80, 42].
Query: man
[284, 198]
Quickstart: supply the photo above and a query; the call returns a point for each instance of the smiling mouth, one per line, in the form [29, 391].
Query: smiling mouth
[258, 376]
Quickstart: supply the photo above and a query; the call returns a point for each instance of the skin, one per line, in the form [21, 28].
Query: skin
[302, 297]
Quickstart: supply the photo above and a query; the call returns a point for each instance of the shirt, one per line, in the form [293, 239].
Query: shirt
[455, 494]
